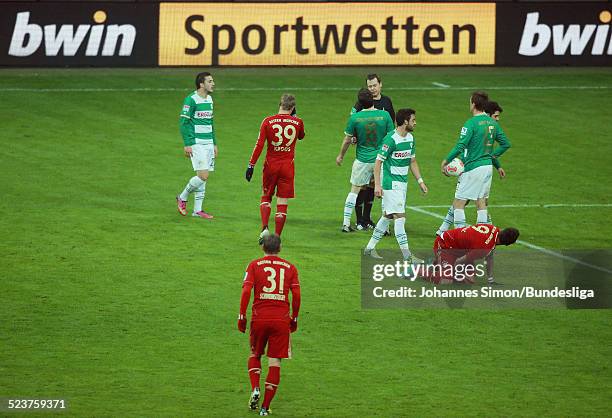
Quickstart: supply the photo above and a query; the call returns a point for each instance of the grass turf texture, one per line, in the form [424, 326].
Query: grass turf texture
[112, 300]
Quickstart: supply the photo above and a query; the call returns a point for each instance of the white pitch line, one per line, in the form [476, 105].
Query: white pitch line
[444, 86]
[531, 205]
[526, 244]
[220, 89]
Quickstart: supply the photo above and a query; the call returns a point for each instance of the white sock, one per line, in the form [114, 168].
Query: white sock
[199, 197]
[401, 237]
[449, 219]
[459, 215]
[379, 231]
[193, 184]
[481, 216]
[349, 205]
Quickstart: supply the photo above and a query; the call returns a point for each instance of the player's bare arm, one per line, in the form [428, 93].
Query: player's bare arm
[489, 260]
[377, 186]
[442, 167]
[346, 143]
[416, 172]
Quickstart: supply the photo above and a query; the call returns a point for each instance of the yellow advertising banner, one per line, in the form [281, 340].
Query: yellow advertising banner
[301, 34]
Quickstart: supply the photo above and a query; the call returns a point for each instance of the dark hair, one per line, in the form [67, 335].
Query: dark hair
[492, 107]
[508, 236]
[365, 98]
[372, 77]
[200, 78]
[480, 99]
[403, 115]
[271, 244]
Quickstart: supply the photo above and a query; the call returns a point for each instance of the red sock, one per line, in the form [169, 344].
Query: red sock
[281, 215]
[254, 366]
[264, 210]
[272, 382]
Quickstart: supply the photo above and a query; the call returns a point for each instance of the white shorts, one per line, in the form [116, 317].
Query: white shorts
[362, 173]
[394, 201]
[475, 184]
[203, 157]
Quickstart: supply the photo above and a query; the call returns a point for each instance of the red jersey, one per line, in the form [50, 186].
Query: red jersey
[281, 133]
[271, 278]
[478, 240]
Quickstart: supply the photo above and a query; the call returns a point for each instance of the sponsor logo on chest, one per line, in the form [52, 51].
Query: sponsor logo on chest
[203, 114]
[402, 155]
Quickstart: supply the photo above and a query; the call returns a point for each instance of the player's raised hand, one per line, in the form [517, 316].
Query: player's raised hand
[293, 325]
[378, 191]
[249, 173]
[188, 152]
[339, 159]
[502, 173]
[242, 323]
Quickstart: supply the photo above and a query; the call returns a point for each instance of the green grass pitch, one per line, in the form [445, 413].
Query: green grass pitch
[113, 301]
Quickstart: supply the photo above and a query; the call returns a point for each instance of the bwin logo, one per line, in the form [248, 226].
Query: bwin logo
[537, 37]
[27, 38]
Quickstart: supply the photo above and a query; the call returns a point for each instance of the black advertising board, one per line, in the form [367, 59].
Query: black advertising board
[78, 34]
[553, 34]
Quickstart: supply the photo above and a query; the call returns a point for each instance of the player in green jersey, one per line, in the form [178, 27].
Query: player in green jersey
[365, 198]
[200, 144]
[494, 110]
[475, 144]
[369, 126]
[395, 158]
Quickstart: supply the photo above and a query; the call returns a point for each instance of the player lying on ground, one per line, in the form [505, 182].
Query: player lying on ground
[369, 127]
[365, 198]
[197, 129]
[494, 110]
[463, 247]
[280, 132]
[395, 158]
[271, 278]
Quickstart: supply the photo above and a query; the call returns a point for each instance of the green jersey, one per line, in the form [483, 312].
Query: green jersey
[369, 127]
[197, 120]
[475, 144]
[396, 154]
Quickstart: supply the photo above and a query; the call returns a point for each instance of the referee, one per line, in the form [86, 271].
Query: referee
[365, 198]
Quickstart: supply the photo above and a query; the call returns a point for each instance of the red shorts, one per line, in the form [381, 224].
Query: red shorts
[279, 176]
[444, 255]
[273, 333]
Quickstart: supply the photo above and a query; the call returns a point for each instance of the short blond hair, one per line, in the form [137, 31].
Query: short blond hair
[287, 101]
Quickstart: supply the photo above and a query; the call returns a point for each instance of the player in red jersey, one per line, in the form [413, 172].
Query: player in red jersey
[271, 279]
[466, 245]
[280, 131]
